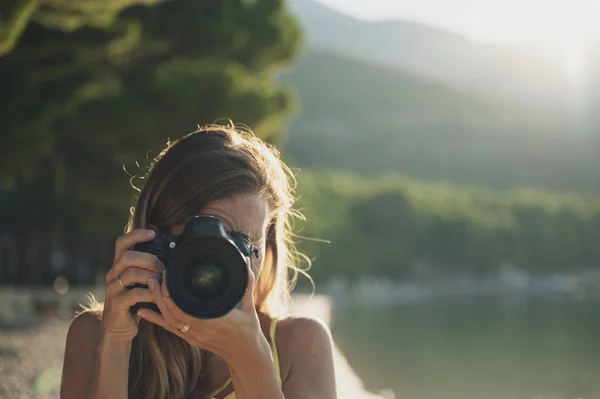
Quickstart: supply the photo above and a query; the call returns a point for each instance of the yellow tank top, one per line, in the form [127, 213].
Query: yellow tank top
[275, 360]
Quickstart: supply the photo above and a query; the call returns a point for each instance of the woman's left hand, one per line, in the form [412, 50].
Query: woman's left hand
[231, 336]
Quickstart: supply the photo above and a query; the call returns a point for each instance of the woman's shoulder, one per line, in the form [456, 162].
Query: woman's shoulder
[85, 326]
[300, 341]
[83, 336]
[89, 318]
[302, 328]
[84, 332]
[86, 319]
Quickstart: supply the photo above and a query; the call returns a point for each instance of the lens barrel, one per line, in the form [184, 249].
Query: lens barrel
[207, 274]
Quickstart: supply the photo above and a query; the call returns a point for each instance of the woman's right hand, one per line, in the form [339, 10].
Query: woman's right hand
[119, 326]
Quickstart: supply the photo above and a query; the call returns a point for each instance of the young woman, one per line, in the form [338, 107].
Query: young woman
[248, 353]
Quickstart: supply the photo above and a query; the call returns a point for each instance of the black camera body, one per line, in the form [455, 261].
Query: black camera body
[207, 274]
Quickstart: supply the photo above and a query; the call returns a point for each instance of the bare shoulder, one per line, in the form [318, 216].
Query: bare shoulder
[84, 327]
[306, 350]
[83, 336]
[80, 354]
[297, 330]
[87, 317]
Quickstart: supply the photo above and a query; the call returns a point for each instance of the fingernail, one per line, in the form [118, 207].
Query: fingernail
[152, 284]
[149, 233]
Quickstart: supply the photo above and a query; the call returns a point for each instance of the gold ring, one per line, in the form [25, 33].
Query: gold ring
[121, 281]
[183, 329]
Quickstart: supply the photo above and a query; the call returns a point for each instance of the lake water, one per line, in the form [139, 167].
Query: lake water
[543, 348]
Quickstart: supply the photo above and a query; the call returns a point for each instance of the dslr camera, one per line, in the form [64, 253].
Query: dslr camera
[207, 274]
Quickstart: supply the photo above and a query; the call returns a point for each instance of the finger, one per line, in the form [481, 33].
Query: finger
[135, 275]
[153, 317]
[127, 298]
[247, 302]
[130, 239]
[130, 277]
[140, 260]
[171, 320]
[163, 286]
[177, 314]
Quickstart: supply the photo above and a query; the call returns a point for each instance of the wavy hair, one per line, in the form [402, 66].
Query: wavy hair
[210, 163]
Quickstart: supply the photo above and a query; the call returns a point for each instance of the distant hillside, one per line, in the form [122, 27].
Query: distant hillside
[346, 87]
[370, 119]
[522, 73]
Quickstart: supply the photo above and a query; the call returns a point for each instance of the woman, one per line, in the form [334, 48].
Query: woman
[248, 353]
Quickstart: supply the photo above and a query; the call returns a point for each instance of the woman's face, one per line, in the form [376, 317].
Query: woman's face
[248, 214]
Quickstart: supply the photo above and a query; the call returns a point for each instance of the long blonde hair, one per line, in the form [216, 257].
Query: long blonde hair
[210, 163]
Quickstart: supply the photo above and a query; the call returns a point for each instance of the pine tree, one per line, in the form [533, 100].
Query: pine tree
[90, 86]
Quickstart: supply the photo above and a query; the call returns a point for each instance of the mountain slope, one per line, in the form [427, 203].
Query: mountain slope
[371, 119]
[345, 87]
[525, 73]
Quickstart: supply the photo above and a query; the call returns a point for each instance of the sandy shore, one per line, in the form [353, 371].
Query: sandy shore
[31, 361]
[31, 358]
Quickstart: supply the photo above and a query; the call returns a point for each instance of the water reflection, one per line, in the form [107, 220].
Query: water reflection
[543, 348]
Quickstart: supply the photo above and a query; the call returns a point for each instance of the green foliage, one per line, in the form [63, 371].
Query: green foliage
[387, 225]
[92, 85]
[16, 15]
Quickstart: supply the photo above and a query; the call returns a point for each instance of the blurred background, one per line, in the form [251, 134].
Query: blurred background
[448, 151]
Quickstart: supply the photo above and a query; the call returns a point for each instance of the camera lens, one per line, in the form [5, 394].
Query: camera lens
[205, 278]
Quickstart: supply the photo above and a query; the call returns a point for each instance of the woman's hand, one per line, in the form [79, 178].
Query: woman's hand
[129, 268]
[235, 337]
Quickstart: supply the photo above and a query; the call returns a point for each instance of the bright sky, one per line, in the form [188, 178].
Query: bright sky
[558, 21]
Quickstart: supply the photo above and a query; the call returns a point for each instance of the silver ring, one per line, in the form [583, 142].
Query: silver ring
[183, 329]
[121, 281]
